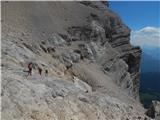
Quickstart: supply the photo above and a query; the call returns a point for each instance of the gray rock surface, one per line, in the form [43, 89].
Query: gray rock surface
[157, 109]
[154, 110]
[93, 71]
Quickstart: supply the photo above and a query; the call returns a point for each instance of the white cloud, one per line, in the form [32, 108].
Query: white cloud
[146, 37]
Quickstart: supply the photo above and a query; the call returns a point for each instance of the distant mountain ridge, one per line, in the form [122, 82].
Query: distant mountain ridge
[150, 72]
[150, 81]
[153, 52]
[149, 63]
[150, 77]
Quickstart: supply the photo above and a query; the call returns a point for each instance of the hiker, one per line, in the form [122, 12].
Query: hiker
[46, 72]
[39, 70]
[30, 69]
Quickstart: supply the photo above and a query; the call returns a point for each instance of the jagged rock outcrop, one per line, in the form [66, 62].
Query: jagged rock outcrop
[93, 69]
[154, 110]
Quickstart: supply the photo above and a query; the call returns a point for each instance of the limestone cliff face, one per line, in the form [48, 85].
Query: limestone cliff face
[93, 69]
[110, 30]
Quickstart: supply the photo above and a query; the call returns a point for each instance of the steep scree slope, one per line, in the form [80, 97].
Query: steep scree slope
[93, 69]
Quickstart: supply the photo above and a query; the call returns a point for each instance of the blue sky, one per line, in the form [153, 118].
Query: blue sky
[138, 14]
[143, 17]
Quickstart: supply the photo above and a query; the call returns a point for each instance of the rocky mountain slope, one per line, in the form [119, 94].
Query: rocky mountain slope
[93, 69]
[154, 110]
